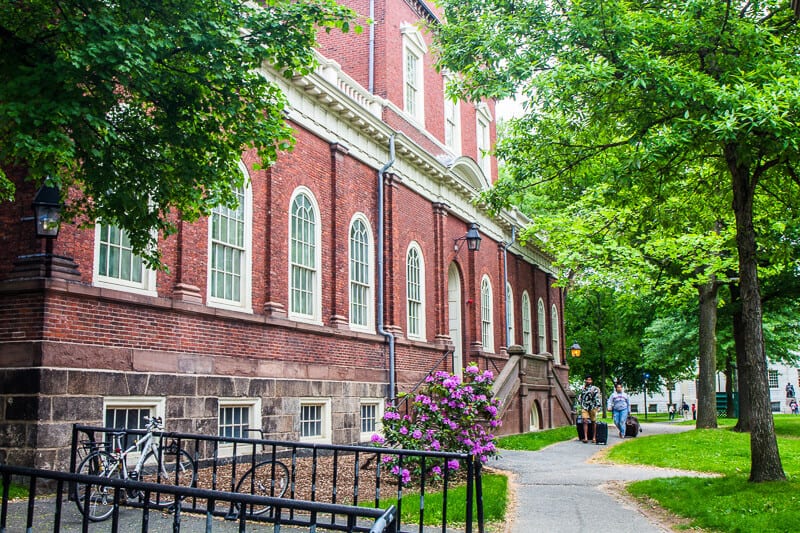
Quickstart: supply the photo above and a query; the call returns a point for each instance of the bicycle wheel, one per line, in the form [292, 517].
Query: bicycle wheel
[270, 478]
[100, 497]
[177, 469]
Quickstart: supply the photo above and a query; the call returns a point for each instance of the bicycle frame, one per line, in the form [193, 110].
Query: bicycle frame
[144, 444]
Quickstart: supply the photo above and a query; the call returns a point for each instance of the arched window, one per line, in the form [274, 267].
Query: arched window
[415, 292]
[509, 314]
[554, 341]
[541, 318]
[230, 251]
[527, 338]
[304, 257]
[361, 276]
[487, 326]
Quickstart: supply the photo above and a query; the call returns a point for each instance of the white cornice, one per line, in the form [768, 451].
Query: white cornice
[331, 104]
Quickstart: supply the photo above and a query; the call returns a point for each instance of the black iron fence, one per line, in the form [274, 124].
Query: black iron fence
[51, 511]
[314, 475]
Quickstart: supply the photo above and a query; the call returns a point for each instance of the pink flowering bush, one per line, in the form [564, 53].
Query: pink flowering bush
[449, 414]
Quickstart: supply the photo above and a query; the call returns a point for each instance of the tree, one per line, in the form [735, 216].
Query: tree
[647, 92]
[146, 107]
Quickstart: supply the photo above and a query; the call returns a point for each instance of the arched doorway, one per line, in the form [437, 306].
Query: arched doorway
[535, 418]
[454, 317]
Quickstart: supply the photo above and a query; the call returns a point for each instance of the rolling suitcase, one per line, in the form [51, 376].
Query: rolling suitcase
[579, 426]
[602, 433]
[632, 427]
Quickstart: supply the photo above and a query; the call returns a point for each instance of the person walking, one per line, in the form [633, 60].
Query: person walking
[793, 406]
[671, 411]
[589, 401]
[620, 405]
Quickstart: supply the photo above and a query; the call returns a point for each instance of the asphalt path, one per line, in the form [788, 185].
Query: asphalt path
[561, 489]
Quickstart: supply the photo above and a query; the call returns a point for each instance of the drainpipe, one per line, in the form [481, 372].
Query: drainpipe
[505, 281]
[371, 82]
[381, 275]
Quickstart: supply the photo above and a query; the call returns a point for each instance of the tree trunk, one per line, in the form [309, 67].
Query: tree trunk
[743, 424]
[706, 384]
[729, 385]
[765, 463]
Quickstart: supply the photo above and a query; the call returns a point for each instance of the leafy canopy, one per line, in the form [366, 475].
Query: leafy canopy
[146, 107]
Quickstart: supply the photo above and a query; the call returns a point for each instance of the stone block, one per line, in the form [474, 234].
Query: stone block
[214, 386]
[171, 385]
[54, 436]
[81, 410]
[53, 381]
[20, 381]
[22, 408]
[261, 388]
[93, 383]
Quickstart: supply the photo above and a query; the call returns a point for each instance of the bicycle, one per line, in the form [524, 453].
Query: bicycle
[267, 478]
[152, 466]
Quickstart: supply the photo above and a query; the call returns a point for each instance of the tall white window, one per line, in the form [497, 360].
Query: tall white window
[229, 253]
[554, 341]
[361, 277]
[482, 133]
[129, 412]
[452, 122]
[415, 291]
[116, 265]
[772, 375]
[487, 325]
[510, 314]
[541, 319]
[238, 415]
[304, 258]
[414, 50]
[527, 337]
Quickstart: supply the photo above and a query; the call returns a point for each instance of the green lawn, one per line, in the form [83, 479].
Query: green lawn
[495, 501]
[727, 503]
[536, 440]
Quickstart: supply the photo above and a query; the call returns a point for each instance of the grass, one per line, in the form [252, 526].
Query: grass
[16, 491]
[536, 440]
[495, 501]
[727, 503]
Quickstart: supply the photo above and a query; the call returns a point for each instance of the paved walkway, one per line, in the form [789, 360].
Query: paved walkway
[558, 488]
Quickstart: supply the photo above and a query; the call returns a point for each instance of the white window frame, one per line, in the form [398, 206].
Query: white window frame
[771, 373]
[246, 259]
[414, 47]
[315, 317]
[541, 319]
[254, 406]
[156, 405]
[325, 436]
[452, 120]
[367, 285]
[483, 130]
[555, 341]
[487, 315]
[378, 403]
[510, 314]
[527, 330]
[146, 287]
[419, 303]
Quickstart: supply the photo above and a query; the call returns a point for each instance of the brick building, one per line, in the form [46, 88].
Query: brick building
[343, 274]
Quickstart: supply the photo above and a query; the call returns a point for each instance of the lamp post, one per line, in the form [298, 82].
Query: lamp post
[47, 211]
[645, 376]
[575, 350]
[472, 237]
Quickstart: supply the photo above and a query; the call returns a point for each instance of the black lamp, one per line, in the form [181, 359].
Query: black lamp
[575, 350]
[47, 209]
[473, 238]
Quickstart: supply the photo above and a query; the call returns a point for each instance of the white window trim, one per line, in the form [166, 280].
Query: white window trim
[316, 316]
[413, 43]
[226, 448]
[555, 341]
[147, 287]
[511, 332]
[455, 145]
[527, 336]
[326, 437]
[156, 404]
[370, 325]
[379, 404]
[541, 323]
[487, 343]
[423, 304]
[246, 304]
[484, 118]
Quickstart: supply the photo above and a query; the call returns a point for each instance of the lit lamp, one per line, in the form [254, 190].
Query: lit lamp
[47, 209]
[473, 238]
[575, 350]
